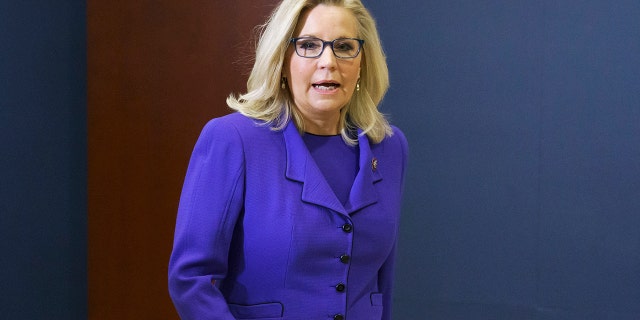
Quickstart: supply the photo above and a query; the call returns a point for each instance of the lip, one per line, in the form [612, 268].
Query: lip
[327, 81]
[321, 86]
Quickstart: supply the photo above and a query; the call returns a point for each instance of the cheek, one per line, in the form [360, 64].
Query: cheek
[299, 73]
[288, 64]
[352, 75]
[353, 71]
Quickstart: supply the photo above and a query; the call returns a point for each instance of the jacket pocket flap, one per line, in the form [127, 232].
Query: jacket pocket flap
[257, 311]
[376, 299]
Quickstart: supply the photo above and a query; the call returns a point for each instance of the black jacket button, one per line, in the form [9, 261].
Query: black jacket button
[345, 258]
[338, 317]
[347, 228]
[340, 287]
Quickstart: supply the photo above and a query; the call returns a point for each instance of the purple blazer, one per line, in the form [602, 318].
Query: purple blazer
[261, 235]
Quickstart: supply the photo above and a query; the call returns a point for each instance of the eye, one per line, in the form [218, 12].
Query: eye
[344, 45]
[308, 44]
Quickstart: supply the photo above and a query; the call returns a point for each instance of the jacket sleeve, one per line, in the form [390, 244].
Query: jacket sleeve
[385, 281]
[387, 271]
[210, 203]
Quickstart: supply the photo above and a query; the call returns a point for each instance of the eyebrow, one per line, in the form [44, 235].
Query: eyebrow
[314, 36]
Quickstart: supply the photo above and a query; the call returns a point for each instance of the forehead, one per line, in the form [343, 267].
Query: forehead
[328, 22]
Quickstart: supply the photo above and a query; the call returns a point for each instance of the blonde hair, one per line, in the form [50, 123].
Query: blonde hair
[266, 101]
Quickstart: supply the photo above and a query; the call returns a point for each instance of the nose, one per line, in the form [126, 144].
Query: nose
[327, 60]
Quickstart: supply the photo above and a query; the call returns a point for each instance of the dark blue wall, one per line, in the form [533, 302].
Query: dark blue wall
[43, 161]
[523, 196]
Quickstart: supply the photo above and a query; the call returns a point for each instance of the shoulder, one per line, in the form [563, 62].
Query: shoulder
[396, 142]
[234, 126]
[393, 149]
[238, 131]
[399, 136]
[234, 121]
[224, 130]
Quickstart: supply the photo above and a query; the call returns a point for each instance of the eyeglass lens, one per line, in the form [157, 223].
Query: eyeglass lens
[313, 47]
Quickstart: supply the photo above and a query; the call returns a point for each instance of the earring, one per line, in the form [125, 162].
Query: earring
[283, 83]
[358, 85]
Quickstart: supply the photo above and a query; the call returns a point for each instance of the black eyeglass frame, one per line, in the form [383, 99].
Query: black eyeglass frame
[324, 44]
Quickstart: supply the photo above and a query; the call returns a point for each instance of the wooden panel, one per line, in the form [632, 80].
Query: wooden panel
[157, 71]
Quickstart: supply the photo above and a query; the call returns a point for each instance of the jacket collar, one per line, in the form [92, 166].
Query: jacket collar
[302, 167]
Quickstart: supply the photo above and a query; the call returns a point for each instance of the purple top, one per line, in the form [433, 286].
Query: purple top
[337, 161]
[260, 233]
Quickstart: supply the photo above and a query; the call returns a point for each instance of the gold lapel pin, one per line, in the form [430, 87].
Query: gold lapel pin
[374, 164]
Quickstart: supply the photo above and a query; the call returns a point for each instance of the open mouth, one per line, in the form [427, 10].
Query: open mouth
[326, 86]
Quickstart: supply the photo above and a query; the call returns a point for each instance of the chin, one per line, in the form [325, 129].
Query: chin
[328, 108]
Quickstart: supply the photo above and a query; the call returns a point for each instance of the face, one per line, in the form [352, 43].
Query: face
[322, 86]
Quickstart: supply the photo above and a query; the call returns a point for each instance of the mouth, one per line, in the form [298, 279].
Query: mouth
[326, 85]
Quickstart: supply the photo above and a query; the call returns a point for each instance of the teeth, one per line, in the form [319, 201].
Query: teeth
[325, 86]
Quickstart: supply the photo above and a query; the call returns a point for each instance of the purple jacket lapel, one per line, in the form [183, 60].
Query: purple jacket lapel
[302, 168]
[363, 192]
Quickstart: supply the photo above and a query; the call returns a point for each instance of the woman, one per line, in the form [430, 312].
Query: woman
[290, 206]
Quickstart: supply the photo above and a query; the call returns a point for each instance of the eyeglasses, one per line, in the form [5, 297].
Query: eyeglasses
[344, 48]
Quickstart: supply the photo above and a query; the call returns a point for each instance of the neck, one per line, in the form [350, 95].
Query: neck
[322, 126]
[321, 130]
